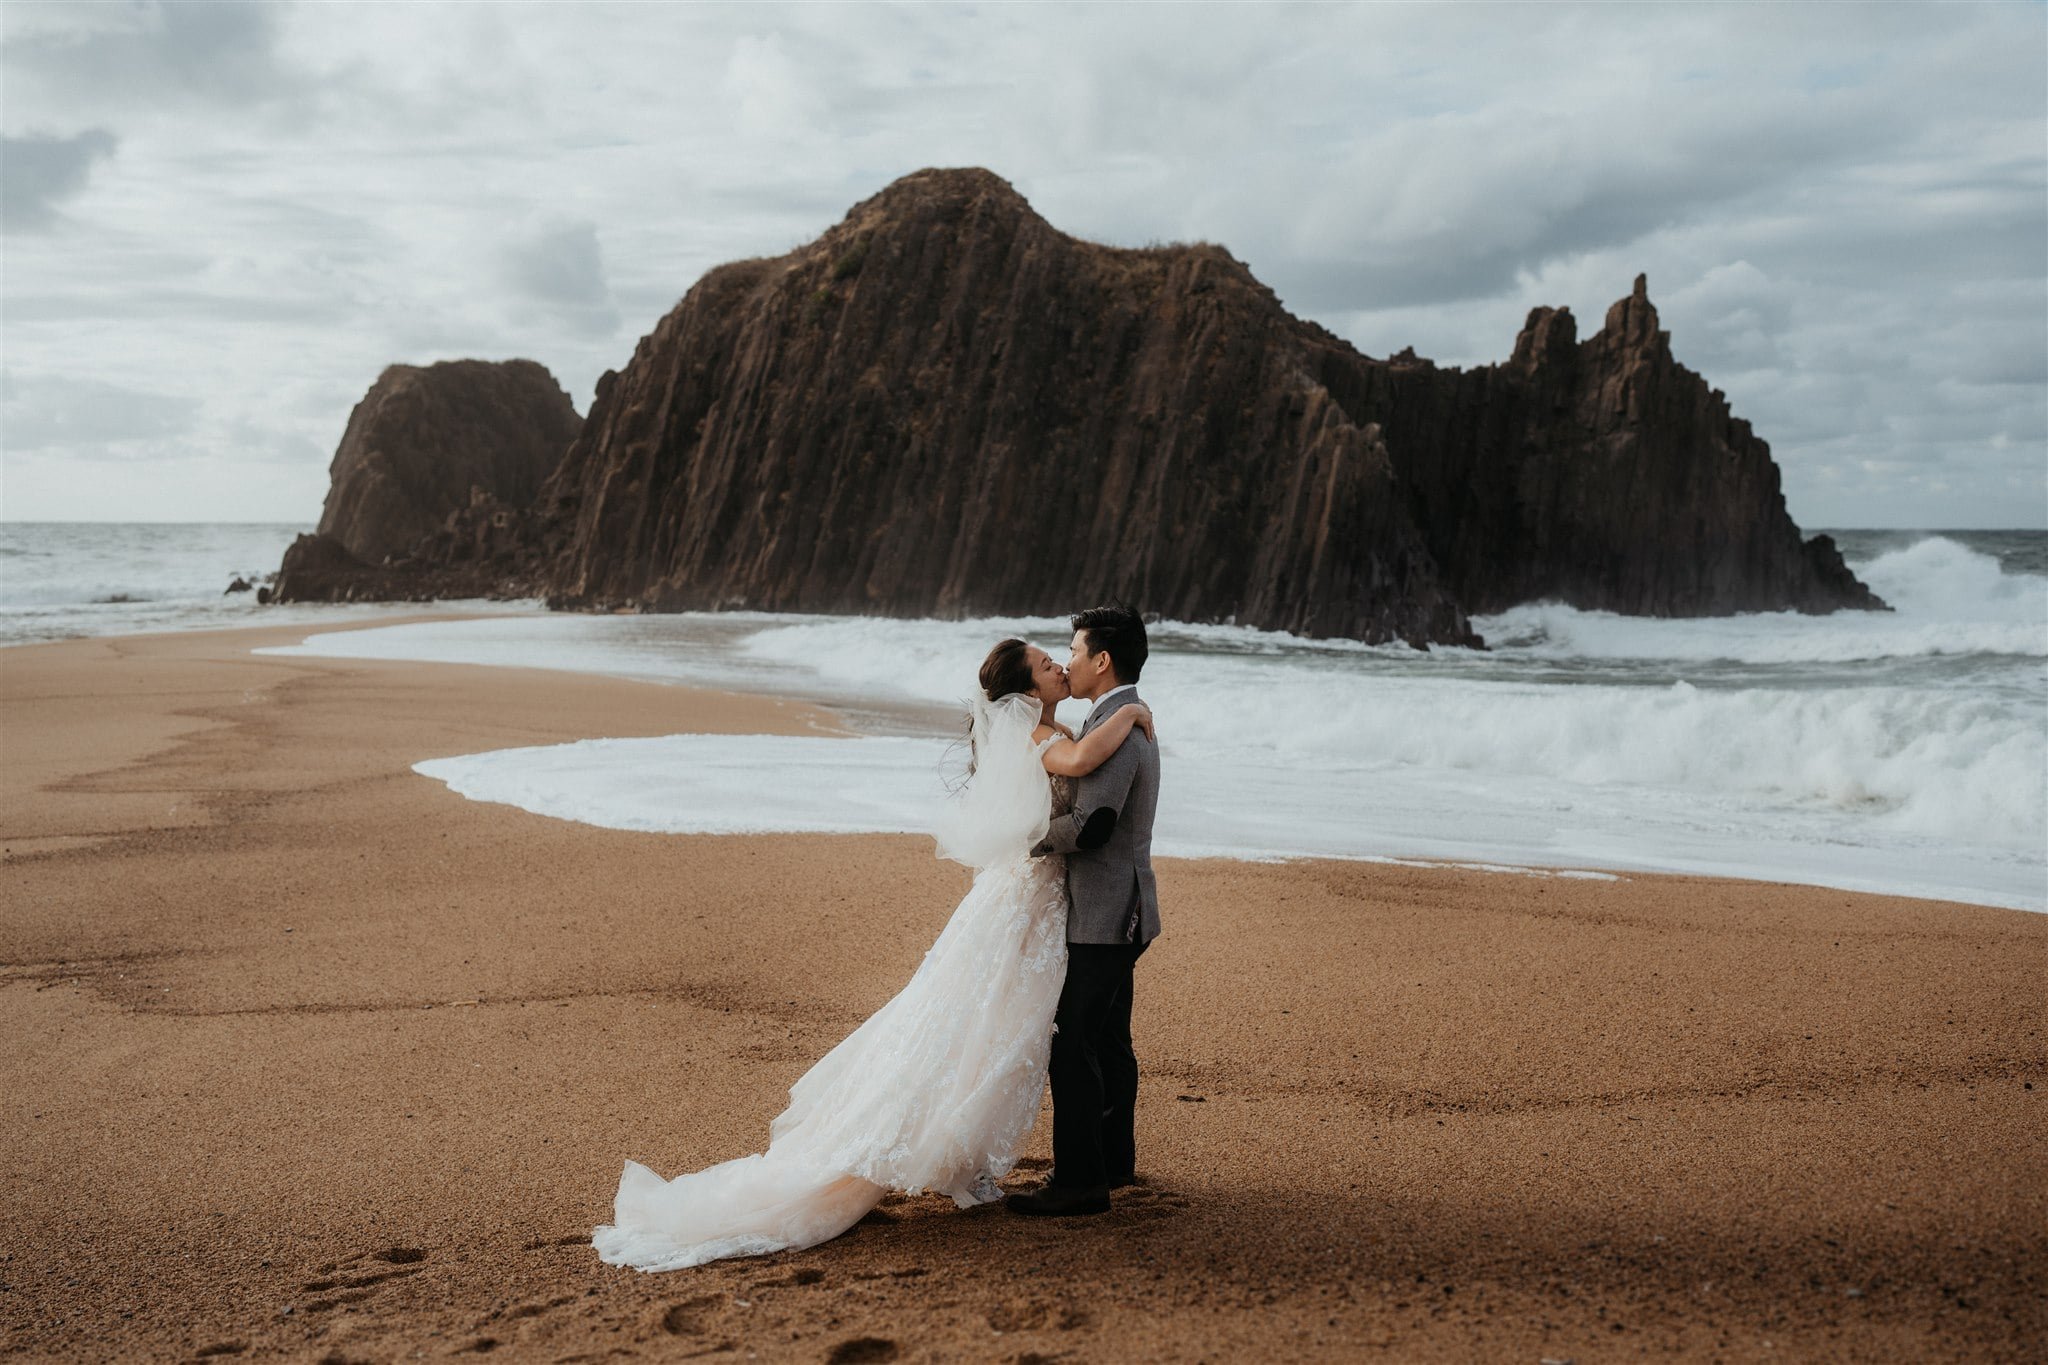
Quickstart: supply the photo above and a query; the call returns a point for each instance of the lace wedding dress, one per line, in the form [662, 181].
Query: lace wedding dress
[938, 1089]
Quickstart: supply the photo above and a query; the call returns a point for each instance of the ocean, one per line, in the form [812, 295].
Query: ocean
[1904, 752]
[64, 580]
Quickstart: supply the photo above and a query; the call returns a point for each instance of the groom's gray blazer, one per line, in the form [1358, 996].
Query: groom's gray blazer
[1107, 838]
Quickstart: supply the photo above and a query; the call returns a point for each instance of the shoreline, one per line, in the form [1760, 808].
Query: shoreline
[331, 1061]
[1420, 809]
[821, 718]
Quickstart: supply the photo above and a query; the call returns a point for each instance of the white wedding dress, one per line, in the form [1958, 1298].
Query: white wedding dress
[938, 1089]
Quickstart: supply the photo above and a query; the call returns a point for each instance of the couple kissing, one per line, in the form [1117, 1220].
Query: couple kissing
[1031, 979]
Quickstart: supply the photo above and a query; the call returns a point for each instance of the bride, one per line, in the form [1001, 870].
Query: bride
[937, 1090]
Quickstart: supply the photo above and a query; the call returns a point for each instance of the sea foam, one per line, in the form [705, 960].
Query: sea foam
[1903, 751]
[1213, 805]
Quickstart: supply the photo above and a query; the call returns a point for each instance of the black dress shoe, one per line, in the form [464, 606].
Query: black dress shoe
[1116, 1182]
[1050, 1201]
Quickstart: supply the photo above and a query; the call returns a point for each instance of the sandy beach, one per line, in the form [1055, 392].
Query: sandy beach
[314, 1059]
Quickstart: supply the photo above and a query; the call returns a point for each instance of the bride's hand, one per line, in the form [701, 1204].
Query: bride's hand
[1143, 720]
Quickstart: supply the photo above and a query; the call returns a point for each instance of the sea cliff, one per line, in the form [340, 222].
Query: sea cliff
[946, 406]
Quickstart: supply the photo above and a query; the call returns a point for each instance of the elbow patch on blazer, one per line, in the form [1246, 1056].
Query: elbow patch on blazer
[1101, 824]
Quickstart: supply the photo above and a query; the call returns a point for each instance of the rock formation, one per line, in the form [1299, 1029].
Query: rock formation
[423, 444]
[1600, 473]
[946, 406]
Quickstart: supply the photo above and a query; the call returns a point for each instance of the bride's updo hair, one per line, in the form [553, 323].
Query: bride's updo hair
[1005, 672]
[1007, 669]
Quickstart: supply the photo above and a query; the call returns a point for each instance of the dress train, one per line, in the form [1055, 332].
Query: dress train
[936, 1091]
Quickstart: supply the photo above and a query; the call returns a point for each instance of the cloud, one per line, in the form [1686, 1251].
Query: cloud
[205, 50]
[38, 412]
[37, 171]
[1736, 318]
[770, 95]
[558, 269]
[1843, 211]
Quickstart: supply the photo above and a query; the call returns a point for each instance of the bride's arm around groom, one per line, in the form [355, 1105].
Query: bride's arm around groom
[1099, 800]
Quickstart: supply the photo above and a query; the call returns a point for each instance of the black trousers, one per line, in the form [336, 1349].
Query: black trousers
[1094, 1071]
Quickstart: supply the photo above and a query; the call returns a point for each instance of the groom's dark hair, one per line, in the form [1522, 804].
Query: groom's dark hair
[1119, 630]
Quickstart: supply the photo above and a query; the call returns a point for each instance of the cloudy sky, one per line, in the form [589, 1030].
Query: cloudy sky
[220, 222]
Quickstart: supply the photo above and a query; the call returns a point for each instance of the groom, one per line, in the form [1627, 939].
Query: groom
[1113, 913]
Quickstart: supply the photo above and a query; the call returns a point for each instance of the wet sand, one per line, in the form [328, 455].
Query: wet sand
[313, 1059]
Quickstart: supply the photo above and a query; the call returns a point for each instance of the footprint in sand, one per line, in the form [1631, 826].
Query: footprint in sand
[1018, 1315]
[355, 1278]
[688, 1319]
[529, 1310]
[1144, 1203]
[863, 1351]
[692, 1318]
